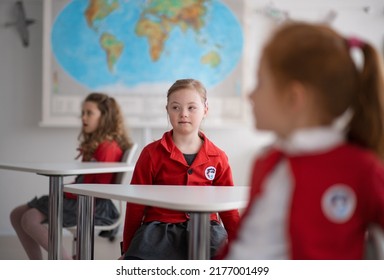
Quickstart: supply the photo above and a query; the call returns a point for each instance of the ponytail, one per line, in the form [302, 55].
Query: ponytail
[318, 56]
[367, 125]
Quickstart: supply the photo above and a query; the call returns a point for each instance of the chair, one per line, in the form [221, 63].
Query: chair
[375, 243]
[110, 230]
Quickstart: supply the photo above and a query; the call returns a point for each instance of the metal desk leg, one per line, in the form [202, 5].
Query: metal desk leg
[85, 229]
[55, 217]
[199, 236]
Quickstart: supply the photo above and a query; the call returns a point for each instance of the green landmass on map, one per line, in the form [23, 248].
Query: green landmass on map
[99, 9]
[212, 59]
[160, 16]
[157, 20]
[113, 48]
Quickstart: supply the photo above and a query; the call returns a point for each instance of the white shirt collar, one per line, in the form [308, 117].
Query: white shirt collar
[311, 140]
[317, 139]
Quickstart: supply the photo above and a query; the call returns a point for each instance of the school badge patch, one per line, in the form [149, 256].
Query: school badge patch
[210, 173]
[338, 203]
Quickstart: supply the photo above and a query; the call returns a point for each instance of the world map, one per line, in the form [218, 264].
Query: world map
[117, 45]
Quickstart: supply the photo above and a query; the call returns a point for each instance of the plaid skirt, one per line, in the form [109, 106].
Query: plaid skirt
[106, 212]
[166, 241]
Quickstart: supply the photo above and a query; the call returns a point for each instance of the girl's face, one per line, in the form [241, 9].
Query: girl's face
[186, 110]
[90, 116]
[269, 104]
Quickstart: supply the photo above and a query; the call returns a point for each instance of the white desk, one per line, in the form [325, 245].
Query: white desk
[56, 172]
[199, 201]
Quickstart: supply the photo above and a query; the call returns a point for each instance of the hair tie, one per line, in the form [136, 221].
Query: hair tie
[354, 42]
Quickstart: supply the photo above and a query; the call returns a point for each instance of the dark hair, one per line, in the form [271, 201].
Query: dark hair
[320, 58]
[111, 126]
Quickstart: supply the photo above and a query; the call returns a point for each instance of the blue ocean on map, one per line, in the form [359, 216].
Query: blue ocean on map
[77, 47]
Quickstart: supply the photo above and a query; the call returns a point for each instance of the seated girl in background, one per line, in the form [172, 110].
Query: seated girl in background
[318, 189]
[103, 138]
[183, 156]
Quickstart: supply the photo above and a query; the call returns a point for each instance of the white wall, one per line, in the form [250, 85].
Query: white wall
[21, 138]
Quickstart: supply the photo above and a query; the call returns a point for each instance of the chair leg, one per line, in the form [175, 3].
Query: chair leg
[74, 241]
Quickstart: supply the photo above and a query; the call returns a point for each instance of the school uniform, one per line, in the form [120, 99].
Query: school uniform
[312, 197]
[162, 163]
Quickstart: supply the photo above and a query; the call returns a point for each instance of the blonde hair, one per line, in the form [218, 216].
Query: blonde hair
[320, 58]
[111, 126]
[189, 84]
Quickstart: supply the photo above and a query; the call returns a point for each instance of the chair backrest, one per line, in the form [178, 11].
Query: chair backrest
[128, 158]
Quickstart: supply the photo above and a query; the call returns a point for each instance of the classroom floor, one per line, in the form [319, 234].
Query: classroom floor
[11, 249]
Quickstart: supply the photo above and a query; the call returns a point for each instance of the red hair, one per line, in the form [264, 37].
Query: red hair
[318, 57]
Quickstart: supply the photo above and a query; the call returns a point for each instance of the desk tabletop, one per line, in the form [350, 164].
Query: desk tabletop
[67, 168]
[182, 198]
